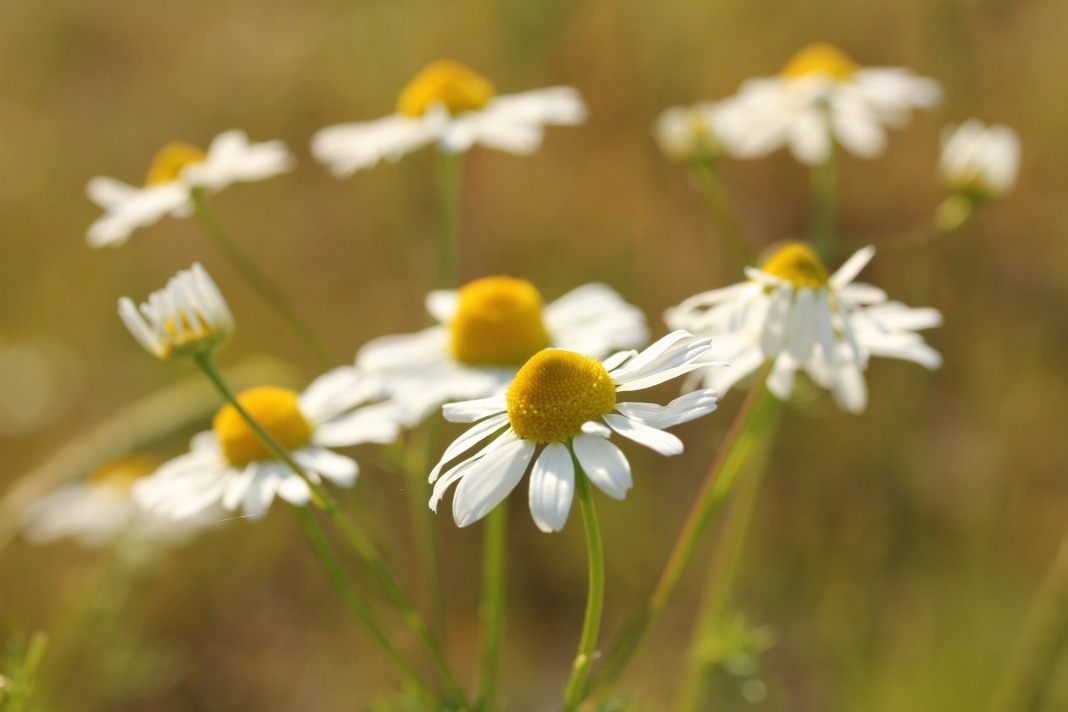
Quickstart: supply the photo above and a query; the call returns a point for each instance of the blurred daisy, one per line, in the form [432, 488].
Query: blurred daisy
[228, 465]
[451, 105]
[795, 314]
[187, 317]
[563, 407]
[689, 133]
[822, 96]
[980, 161]
[487, 329]
[177, 169]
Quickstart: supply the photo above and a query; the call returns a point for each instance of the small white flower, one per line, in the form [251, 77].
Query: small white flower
[563, 407]
[187, 317]
[980, 160]
[689, 133]
[821, 97]
[229, 465]
[449, 104]
[487, 329]
[175, 171]
[794, 314]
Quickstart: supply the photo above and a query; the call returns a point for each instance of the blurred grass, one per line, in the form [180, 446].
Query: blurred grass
[893, 554]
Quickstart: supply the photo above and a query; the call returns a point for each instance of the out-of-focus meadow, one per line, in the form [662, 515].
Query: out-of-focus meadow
[893, 553]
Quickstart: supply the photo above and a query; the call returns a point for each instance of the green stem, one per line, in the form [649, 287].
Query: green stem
[591, 624]
[706, 176]
[746, 432]
[1029, 670]
[491, 611]
[823, 190]
[448, 218]
[256, 278]
[345, 589]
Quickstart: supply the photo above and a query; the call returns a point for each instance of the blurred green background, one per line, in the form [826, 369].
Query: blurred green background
[893, 554]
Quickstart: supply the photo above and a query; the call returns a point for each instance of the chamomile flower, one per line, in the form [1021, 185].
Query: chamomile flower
[689, 133]
[487, 329]
[229, 465]
[449, 104]
[980, 161]
[187, 317]
[795, 314]
[177, 169]
[562, 408]
[820, 98]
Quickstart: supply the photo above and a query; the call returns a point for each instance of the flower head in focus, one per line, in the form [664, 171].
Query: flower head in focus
[177, 169]
[561, 409]
[822, 97]
[797, 315]
[980, 161]
[689, 134]
[451, 105]
[187, 317]
[229, 465]
[486, 330]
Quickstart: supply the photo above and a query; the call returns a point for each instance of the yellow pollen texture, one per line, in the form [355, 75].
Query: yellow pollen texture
[556, 392]
[821, 59]
[124, 472]
[798, 264]
[498, 322]
[171, 160]
[445, 82]
[276, 409]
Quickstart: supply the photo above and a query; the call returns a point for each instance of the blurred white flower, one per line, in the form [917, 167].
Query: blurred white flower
[175, 171]
[793, 313]
[229, 465]
[979, 160]
[449, 104]
[566, 406]
[187, 317]
[689, 133]
[487, 329]
[821, 97]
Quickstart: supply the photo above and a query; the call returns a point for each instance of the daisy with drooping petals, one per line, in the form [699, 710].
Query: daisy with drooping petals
[229, 465]
[451, 105]
[177, 169]
[795, 314]
[820, 98]
[980, 161]
[487, 329]
[564, 406]
[690, 133]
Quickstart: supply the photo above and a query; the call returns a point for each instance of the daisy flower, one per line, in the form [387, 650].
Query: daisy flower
[689, 133]
[177, 169]
[793, 313]
[821, 97]
[486, 330]
[451, 105]
[229, 465]
[560, 410]
[187, 317]
[980, 161]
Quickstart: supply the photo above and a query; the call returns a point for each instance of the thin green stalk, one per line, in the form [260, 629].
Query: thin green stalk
[1028, 673]
[448, 218]
[345, 589]
[363, 547]
[746, 432]
[591, 623]
[706, 176]
[491, 610]
[256, 278]
[823, 193]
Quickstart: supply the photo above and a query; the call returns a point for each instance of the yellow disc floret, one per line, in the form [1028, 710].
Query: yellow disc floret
[498, 322]
[821, 60]
[555, 392]
[171, 160]
[276, 409]
[798, 264]
[451, 84]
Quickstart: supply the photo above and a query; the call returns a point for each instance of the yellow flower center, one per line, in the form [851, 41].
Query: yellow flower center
[276, 409]
[122, 473]
[498, 322]
[555, 393]
[171, 160]
[821, 60]
[798, 264]
[445, 82]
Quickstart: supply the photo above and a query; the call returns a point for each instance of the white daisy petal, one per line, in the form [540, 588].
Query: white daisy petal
[604, 464]
[468, 440]
[552, 487]
[653, 438]
[339, 469]
[490, 481]
[472, 410]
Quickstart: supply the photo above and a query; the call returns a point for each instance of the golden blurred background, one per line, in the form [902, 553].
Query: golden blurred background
[893, 554]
